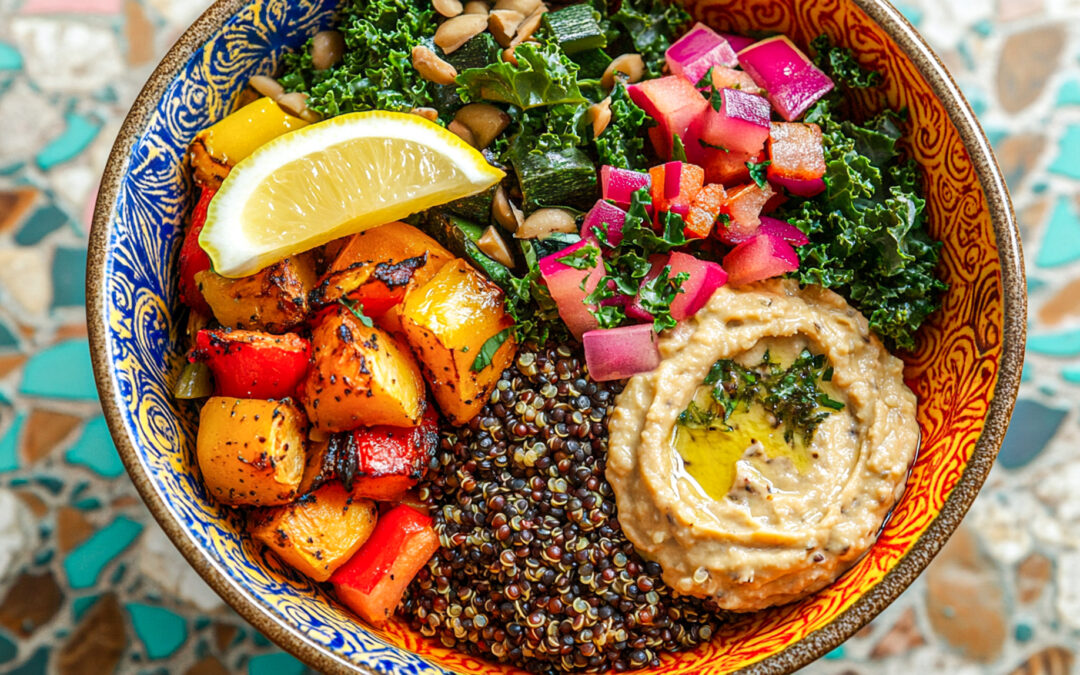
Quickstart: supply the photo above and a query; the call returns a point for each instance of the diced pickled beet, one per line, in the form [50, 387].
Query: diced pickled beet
[730, 78]
[619, 353]
[372, 582]
[784, 230]
[790, 79]
[796, 151]
[673, 102]
[248, 364]
[738, 42]
[606, 217]
[799, 188]
[390, 460]
[741, 124]
[569, 286]
[743, 208]
[728, 167]
[704, 211]
[761, 257]
[192, 258]
[698, 50]
[703, 279]
[674, 186]
[618, 185]
[778, 199]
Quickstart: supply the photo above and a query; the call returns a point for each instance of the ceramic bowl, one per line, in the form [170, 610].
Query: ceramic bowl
[965, 370]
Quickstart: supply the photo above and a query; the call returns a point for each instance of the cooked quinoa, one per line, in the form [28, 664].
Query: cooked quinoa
[534, 568]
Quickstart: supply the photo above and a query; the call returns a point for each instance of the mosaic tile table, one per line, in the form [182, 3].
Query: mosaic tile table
[88, 584]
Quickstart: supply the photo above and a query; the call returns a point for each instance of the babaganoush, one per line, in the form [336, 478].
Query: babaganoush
[786, 527]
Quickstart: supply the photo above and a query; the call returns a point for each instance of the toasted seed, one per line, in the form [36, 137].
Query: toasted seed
[294, 103]
[529, 26]
[600, 116]
[492, 243]
[476, 7]
[545, 221]
[431, 67]
[502, 210]
[631, 65]
[327, 48]
[463, 132]
[526, 7]
[503, 25]
[459, 30]
[448, 8]
[267, 86]
[484, 120]
[430, 114]
[509, 56]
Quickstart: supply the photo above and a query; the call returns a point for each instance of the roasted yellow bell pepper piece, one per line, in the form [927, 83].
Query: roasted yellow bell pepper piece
[222, 146]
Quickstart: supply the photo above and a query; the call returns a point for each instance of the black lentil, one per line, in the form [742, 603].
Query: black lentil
[533, 556]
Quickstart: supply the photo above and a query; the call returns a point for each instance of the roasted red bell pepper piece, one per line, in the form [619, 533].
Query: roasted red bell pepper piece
[383, 462]
[192, 258]
[247, 364]
[373, 581]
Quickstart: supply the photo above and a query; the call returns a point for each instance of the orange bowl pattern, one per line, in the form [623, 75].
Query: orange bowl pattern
[965, 369]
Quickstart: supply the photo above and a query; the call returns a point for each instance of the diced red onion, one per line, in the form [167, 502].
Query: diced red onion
[791, 80]
[738, 42]
[619, 353]
[701, 48]
[761, 257]
[604, 213]
[618, 185]
[569, 286]
[741, 124]
[704, 278]
[673, 102]
[784, 230]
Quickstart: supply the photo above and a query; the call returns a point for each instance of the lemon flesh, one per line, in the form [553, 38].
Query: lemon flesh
[333, 179]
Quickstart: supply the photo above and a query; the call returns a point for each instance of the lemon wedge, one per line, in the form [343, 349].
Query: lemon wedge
[333, 179]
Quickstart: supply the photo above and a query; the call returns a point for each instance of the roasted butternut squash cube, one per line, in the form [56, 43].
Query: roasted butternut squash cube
[272, 300]
[360, 376]
[318, 532]
[320, 467]
[251, 452]
[449, 322]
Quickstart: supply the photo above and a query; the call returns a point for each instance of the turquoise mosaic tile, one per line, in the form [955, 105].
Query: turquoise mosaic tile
[44, 222]
[10, 58]
[1055, 344]
[1069, 93]
[1065, 162]
[9, 445]
[85, 564]
[1034, 425]
[69, 277]
[1061, 243]
[95, 450]
[275, 664]
[79, 133]
[72, 358]
[162, 632]
[38, 664]
[8, 649]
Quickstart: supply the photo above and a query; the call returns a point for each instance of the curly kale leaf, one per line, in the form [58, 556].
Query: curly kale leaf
[839, 63]
[647, 27]
[544, 76]
[868, 236]
[376, 71]
[623, 142]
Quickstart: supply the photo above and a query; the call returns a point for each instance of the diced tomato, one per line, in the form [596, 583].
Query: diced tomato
[390, 460]
[704, 211]
[373, 581]
[743, 210]
[192, 258]
[673, 102]
[796, 151]
[248, 364]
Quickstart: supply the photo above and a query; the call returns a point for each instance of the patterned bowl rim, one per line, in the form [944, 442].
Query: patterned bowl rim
[793, 657]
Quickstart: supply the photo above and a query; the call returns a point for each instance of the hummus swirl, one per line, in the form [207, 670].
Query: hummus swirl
[780, 533]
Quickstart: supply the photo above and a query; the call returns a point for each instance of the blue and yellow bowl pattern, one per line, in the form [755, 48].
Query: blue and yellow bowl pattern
[966, 368]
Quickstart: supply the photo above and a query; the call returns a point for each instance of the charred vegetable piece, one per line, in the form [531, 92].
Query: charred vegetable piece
[378, 266]
[217, 149]
[194, 382]
[192, 258]
[458, 326]
[272, 300]
[373, 581]
[382, 463]
[247, 364]
[317, 533]
[360, 375]
[321, 465]
[251, 452]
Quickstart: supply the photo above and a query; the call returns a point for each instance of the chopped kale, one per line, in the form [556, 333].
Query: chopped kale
[623, 142]
[840, 64]
[544, 76]
[646, 27]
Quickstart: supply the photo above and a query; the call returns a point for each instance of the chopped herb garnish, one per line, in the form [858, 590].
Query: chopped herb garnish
[678, 150]
[582, 259]
[487, 352]
[705, 144]
[759, 172]
[357, 310]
